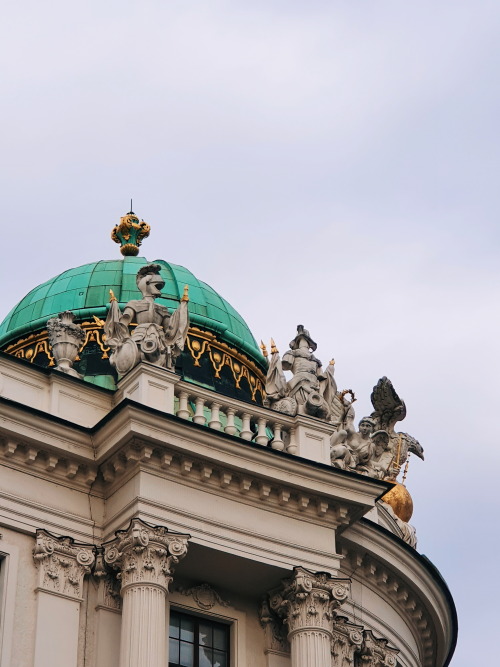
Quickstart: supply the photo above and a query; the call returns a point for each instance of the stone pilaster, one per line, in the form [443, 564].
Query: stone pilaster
[62, 565]
[144, 557]
[307, 602]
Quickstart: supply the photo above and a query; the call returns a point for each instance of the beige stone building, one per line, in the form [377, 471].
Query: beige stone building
[168, 517]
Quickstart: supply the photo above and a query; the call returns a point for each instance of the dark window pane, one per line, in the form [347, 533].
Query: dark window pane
[173, 651]
[206, 657]
[220, 638]
[174, 625]
[187, 655]
[220, 659]
[205, 634]
[187, 629]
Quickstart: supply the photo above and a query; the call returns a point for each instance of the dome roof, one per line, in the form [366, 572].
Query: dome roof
[85, 291]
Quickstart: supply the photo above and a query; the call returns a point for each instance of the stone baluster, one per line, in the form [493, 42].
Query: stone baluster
[277, 442]
[246, 433]
[144, 556]
[183, 411]
[215, 417]
[230, 426]
[261, 438]
[199, 415]
[292, 447]
[307, 604]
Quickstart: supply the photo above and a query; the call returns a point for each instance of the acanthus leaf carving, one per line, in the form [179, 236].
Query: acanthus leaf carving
[145, 554]
[62, 564]
[308, 600]
[275, 631]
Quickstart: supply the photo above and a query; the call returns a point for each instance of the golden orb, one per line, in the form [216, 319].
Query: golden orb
[400, 500]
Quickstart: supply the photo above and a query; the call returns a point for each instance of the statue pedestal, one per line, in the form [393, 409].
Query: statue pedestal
[150, 385]
[312, 437]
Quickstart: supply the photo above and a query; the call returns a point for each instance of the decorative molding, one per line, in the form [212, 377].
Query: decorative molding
[204, 596]
[61, 564]
[200, 342]
[145, 555]
[308, 600]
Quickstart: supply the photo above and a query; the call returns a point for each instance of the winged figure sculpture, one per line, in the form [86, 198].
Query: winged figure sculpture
[388, 410]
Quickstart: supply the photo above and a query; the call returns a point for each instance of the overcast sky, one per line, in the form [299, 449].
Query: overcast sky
[333, 164]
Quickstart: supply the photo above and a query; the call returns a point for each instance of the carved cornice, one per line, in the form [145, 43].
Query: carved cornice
[307, 601]
[384, 580]
[43, 462]
[61, 564]
[145, 555]
[251, 488]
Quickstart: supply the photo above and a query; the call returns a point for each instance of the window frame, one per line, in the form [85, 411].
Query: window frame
[198, 619]
[226, 614]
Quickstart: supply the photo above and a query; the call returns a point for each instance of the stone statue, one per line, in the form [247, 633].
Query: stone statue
[341, 453]
[389, 409]
[276, 387]
[358, 442]
[159, 336]
[65, 338]
[305, 384]
[381, 457]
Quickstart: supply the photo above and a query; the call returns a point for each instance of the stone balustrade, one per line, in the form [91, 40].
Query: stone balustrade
[238, 418]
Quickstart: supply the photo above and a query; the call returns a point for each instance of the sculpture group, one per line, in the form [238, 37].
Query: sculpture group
[158, 337]
[375, 449]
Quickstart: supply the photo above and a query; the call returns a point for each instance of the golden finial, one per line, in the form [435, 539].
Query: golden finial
[112, 296]
[332, 362]
[263, 348]
[185, 296]
[130, 233]
[274, 349]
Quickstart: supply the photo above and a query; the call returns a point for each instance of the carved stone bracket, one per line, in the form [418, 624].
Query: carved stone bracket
[309, 600]
[61, 564]
[145, 554]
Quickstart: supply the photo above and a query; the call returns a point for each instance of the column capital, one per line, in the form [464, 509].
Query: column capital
[145, 555]
[376, 652]
[308, 600]
[62, 563]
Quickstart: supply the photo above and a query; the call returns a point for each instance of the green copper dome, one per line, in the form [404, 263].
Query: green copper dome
[85, 291]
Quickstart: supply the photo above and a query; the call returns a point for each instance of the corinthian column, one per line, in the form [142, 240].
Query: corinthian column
[307, 604]
[144, 556]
